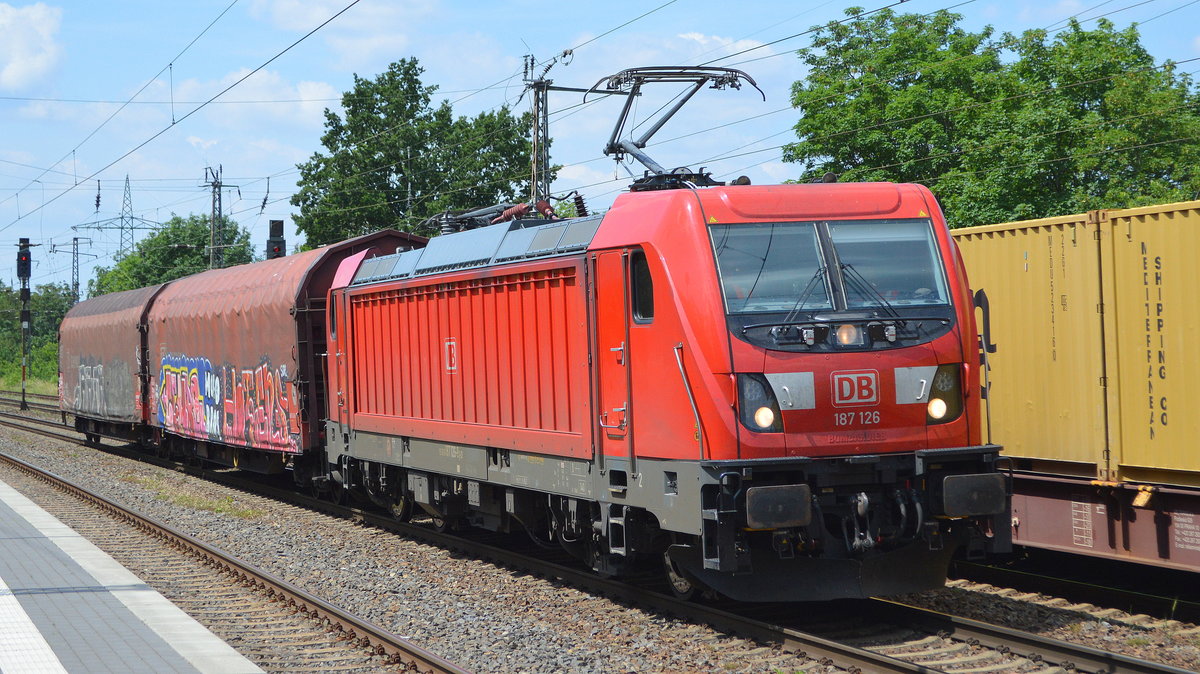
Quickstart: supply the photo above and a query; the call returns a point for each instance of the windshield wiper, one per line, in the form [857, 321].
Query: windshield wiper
[865, 288]
[802, 300]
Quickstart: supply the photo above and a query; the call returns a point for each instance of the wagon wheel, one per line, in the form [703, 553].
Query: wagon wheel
[681, 586]
[337, 493]
[444, 524]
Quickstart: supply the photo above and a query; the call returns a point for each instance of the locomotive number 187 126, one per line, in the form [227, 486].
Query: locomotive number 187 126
[855, 418]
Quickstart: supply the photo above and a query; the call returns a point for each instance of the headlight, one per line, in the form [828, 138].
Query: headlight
[849, 335]
[764, 417]
[945, 395]
[937, 409]
[757, 407]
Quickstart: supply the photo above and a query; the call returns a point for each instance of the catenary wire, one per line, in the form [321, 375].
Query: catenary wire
[189, 113]
[135, 95]
[969, 106]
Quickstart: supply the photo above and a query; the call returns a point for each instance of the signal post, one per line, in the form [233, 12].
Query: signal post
[24, 271]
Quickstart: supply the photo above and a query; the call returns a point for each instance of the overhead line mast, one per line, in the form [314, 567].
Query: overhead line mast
[74, 264]
[125, 223]
[216, 244]
[539, 183]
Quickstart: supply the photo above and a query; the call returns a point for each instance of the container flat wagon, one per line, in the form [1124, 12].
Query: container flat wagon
[1093, 388]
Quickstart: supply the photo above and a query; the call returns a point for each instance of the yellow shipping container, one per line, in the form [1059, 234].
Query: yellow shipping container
[1092, 315]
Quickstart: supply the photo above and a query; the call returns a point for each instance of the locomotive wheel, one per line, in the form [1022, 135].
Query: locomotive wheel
[681, 586]
[402, 508]
[336, 493]
[311, 488]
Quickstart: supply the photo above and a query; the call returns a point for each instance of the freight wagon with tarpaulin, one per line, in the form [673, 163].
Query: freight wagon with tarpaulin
[226, 365]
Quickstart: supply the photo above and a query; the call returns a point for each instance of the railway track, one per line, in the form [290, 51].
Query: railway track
[9, 394]
[277, 625]
[39, 402]
[1182, 606]
[867, 636]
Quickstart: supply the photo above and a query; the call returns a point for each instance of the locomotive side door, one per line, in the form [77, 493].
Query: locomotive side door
[338, 344]
[610, 300]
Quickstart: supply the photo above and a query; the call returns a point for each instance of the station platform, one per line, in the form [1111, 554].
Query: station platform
[66, 606]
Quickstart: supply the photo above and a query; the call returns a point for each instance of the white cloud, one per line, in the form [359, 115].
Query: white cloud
[579, 174]
[1196, 43]
[200, 143]
[297, 15]
[264, 96]
[714, 46]
[370, 32]
[268, 147]
[359, 51]
[17, 156]
[780, 171]
[28, 49]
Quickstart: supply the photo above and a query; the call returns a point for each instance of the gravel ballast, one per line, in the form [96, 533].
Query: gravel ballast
[487, 618]
[476, 614]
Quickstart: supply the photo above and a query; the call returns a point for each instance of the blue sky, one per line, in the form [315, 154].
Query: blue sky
[67, 67]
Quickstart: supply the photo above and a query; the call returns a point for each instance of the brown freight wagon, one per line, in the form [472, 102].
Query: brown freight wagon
[233, 358]
[1094, 384]
[101, 377]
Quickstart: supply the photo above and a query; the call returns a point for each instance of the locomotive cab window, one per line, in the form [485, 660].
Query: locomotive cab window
[641, 287]
[771, 267]
[333, 317]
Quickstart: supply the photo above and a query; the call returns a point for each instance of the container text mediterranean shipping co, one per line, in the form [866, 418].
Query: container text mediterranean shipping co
[771, 391]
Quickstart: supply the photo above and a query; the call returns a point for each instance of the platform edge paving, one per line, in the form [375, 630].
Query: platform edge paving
[192, 641]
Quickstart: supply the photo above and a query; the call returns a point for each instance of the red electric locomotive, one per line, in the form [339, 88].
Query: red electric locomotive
[773, 388]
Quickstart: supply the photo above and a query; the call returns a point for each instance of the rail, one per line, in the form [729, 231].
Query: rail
[379, 639]
[758, 622]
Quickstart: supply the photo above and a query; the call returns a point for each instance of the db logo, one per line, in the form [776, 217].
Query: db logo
[855, 388]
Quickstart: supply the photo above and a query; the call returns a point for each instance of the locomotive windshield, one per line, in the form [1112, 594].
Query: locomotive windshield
[771, 267]
[784, 275]
[895, 260]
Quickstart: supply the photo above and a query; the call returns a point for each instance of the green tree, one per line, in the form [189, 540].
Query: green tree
[179, 248]
[1079, 121]
[394, 160]
[865, 73]
[48, 304]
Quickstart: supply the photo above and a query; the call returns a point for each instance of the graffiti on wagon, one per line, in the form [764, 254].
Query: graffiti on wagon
[104, 390]
[242, 406]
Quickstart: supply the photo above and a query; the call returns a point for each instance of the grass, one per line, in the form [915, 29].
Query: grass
[165, 491]
[1137, 641]
[40, 386]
